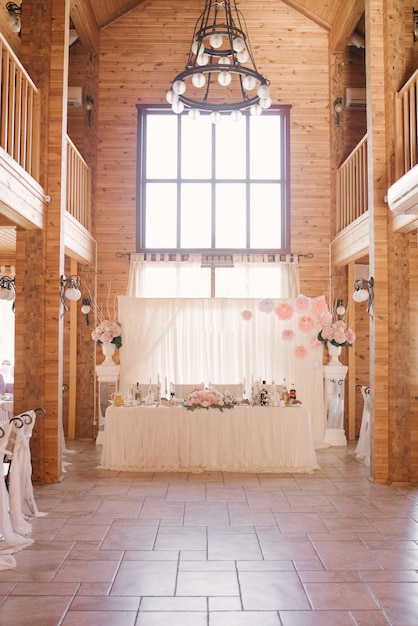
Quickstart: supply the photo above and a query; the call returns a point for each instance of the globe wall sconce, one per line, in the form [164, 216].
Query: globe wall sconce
[86, 308]
[364, 292]
[7, 290]
[338, 108]
[89, 105]
[14, 14]
[69, 290]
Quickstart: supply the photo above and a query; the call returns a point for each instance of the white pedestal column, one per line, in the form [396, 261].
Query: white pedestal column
[334, 376]
[108, 379]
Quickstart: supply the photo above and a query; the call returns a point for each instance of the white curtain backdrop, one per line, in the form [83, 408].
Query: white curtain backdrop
[227, 340]
[237, 276]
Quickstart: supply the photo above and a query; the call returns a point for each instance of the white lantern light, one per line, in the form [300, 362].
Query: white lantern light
[249, 82]
[256, 109]
[216, 40]
[179, 87]
[236, 115]
[238, 44]
[202, 59]
[215, 117]
[194, 114]
[178, 107]
[243, 56]
[263, 91]
[265, 103]
[171, 97]
[198, 80]
[224, 79]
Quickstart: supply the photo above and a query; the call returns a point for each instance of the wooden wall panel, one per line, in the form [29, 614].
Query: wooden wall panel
[137, 62]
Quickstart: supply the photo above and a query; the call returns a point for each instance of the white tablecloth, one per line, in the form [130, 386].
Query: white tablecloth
[242, 439]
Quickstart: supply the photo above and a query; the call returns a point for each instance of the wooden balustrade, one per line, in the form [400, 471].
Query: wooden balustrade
[78, 186]
[352, 186]
[19, 98]
[406, 127]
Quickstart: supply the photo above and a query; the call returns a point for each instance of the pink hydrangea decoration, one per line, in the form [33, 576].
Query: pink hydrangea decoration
[300, 352]
[288, 335]
[302, 303]
[284, 311]
[266, 305]
[108, 332]
[306, 324]
[246, 315]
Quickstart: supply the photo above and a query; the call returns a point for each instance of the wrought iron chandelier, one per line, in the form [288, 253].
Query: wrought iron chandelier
[220, 75]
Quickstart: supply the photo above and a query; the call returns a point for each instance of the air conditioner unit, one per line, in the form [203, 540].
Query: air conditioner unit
[75, 97]
[355, 98]
[403, 195]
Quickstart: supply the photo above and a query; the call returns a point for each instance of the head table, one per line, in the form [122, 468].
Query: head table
[241, 439]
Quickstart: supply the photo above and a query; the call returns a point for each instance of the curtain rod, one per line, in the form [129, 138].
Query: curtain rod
[185, 256]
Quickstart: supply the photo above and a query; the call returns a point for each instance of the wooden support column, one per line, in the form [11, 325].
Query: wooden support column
[376, 20]
[45, 54]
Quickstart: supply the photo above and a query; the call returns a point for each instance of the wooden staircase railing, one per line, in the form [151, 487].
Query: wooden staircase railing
[406, 127]
[78, 186]
[19, 121]
[352, 189]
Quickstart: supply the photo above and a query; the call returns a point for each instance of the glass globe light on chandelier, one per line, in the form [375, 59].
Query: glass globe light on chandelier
[215, 78]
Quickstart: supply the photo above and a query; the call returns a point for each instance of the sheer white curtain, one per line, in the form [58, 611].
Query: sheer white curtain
[228, 340]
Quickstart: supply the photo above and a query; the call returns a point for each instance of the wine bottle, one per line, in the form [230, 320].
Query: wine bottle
[292, 392]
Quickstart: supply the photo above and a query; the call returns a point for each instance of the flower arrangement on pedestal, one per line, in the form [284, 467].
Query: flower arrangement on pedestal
[338, 333]
[208, 399]
[108, 332]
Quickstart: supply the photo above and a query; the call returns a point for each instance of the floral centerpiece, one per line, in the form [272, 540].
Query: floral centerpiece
[208, 399]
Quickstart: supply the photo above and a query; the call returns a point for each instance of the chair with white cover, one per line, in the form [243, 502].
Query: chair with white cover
[181, 391]
[236, 390]
[362, 451]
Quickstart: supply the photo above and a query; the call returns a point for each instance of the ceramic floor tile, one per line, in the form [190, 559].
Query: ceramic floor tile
[172, 619]
[217, 549]
[99, 618]
[229, 546]
[316, 618]
[263, 591]
[244, 618]
[34, 611]
[339, 596]
[207, 584]
[350, 555]
[145, 578]
[399, 601]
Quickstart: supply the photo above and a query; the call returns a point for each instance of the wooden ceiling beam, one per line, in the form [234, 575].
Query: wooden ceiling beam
[85, 24]
[309, 14]
[344, 25]
[128, 6]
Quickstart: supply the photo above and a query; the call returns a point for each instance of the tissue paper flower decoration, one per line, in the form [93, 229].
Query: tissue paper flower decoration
[302, 303]
[318, 306]
[284, 311]
[246, 315]
[288, 335]
[314, 343]
[266, 306]
[300, 352]
[306, 324]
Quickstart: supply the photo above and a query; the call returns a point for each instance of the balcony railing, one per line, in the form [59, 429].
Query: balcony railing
[78, 186]
[406, 127]
[19, 132]
[352, 186]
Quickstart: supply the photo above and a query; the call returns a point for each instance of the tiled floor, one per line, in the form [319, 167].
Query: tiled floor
[130, 549]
